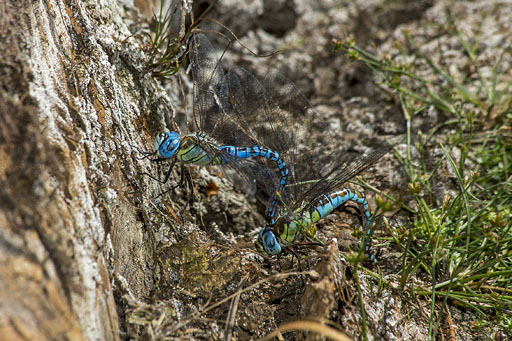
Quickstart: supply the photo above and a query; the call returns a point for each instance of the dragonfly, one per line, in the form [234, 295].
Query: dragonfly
[229, 128]
[318, 177]
[297, 217]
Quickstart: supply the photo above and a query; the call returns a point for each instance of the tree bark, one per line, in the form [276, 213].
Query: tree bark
[69, 102]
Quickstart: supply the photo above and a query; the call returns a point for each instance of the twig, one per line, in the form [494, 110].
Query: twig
[230, 323]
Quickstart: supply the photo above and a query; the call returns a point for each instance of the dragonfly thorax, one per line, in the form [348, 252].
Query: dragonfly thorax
[166, 144]
[290, 230]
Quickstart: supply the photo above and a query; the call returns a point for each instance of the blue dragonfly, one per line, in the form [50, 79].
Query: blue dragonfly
[296, 217]
[229, 128]
[318, 177]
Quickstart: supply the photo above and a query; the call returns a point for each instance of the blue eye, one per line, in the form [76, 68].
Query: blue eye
[166, 144]
[269, 242]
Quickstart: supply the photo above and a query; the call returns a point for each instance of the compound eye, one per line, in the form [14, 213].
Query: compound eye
[271, 244]
[269, 240]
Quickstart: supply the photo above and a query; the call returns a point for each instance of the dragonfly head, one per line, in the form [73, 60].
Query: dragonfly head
[267, 242]
[166, 144]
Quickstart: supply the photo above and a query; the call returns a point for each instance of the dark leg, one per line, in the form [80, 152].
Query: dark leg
[147, 155]
[185, 179]
[296, 255]
[308, 263]
[312, 242]
[188, 179]
[167, 175]
[279, 262]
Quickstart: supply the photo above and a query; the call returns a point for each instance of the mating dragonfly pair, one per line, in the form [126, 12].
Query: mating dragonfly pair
[257, 128]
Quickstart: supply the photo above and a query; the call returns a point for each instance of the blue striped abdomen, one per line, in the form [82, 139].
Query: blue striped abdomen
[248, 152]
[327, 203]
[322, 206]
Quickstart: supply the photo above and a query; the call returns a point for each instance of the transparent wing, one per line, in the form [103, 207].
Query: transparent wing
[259, 112]
[236, 109]
[212, 106]
[336, 177]
[319, 166]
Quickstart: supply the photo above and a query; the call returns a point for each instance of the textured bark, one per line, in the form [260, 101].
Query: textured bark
[67, 101]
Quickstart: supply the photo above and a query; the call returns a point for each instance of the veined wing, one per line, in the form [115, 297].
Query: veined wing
[337, 177]
[258, 113]
[212, 106]
[318, 168]
[263, 181]
[309, 151]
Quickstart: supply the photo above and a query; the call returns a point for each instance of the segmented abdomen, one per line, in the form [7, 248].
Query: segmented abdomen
[327, 203]
[247, 152]
[321, 207]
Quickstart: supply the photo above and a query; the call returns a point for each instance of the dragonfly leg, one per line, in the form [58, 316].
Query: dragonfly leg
[185, 176]
[185, 181]
[180, 183]
[148, 155]
[308, 263]
[168, 174]
[279, 262]
[166, 178]
[313, 242]
[295, 254]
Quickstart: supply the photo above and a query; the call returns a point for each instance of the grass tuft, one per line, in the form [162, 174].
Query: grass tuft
[166, 46]
[460, 232]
